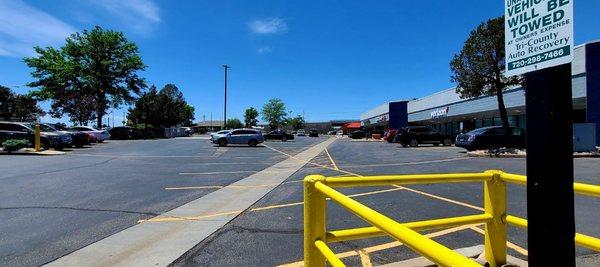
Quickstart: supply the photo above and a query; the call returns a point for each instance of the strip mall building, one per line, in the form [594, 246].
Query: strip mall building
[448, 113]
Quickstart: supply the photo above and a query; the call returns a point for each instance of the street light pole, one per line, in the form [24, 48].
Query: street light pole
[225, 67]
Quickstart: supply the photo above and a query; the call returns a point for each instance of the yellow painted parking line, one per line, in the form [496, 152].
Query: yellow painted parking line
[440, 198]
[509, 244]
[384, 246]
[187, 218]
[365, 260]
[230, 186]
[331, 159]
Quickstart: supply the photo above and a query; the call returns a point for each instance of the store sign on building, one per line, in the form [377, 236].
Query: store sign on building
[538, 34]
[440, 113]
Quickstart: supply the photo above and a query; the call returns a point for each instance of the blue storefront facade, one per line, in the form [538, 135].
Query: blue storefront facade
[447, 112]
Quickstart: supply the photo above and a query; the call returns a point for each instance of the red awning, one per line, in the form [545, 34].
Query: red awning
[352, 125]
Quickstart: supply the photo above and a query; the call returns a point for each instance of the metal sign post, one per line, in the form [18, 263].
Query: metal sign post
[539, 44]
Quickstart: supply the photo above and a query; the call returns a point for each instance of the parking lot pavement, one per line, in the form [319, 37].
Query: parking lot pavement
[270, 232]
[51, 206]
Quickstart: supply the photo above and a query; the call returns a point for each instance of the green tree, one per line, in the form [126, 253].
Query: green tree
[234, 123]
[274, 113]
[478, 68]
[96, 69]
[164, 108]
[18, 106]
[250, 117]
[296, 122]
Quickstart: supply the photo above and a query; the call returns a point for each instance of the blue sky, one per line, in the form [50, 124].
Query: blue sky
[328, 59]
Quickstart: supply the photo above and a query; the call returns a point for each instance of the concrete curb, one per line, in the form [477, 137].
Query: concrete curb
[487, 155]
[33, 153]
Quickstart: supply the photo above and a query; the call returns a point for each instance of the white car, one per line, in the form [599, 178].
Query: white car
[301, 132]
[99, 135]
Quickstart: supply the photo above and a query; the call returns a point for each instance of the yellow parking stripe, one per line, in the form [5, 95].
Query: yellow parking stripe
[331, 159]
[509, 244]
[365, 260]
[185, 218]
[384, 246]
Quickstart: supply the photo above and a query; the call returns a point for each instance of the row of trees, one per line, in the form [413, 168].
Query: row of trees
[273, 112]
[98, 70]
[20, 106]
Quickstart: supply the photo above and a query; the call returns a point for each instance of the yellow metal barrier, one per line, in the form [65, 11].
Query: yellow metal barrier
[318, 188]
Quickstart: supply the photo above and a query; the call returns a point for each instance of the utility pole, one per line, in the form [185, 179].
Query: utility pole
[225, 68]
[211, 122]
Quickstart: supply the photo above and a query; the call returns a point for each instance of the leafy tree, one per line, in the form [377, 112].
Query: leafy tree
[94, 71]
[296, 122]
[233, 123]
[274, 113]
[164, 108]
[22, 107]
[478, 67]
[250, 117]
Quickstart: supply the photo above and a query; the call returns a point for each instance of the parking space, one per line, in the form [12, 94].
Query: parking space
[270, 232]
[52, 206]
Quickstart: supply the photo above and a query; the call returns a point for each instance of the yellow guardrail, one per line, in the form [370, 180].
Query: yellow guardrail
[318, 188]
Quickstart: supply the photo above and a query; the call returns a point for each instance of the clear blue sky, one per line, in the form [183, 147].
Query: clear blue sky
[329, 59]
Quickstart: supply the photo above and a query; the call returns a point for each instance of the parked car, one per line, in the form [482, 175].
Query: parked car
[313, 133]
[80, 139]
[331, 133]
[124, 133]
[95, 134]
[239, 137]
[358, 135]
[415, 135]
[279, 134]
[389, 135]
[301, 132]
[188, 131]
[491, 137]
[25, 131]
[219, 132]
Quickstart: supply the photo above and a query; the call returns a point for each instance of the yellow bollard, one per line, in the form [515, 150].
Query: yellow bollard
[495, 231]
[38, 143]
[314, 221]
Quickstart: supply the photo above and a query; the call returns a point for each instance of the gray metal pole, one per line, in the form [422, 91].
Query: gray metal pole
[225, 67]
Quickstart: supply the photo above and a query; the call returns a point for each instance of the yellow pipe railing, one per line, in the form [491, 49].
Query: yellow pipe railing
[368, 232]
[419, 243]
[318, 188]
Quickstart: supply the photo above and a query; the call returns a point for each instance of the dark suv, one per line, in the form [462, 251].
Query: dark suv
[492, 137]
[415, 135]
[25, 131]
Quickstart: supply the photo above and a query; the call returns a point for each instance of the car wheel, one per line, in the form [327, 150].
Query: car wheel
[252, 143]
[284, 139]
[79, 145]
[447, 142]
[222, 142]
[413, 143]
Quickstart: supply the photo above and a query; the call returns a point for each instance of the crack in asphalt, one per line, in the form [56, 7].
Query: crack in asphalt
[80, 209]
[62, 170]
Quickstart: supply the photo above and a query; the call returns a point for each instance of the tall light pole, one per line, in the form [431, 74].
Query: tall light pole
[225, 67]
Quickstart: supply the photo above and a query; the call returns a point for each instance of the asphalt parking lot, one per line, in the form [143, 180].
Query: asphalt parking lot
[55, 205]
[270, 232]
[51, 206]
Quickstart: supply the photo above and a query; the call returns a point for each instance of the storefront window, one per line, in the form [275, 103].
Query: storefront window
[497, 121]
[478, 123]
[488, 122]
[513, 121]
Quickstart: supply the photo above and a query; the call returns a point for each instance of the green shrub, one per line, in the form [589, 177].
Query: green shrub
[11, 145]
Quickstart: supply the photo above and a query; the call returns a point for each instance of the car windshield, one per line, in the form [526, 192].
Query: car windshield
[479, 131]
[43, 127]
